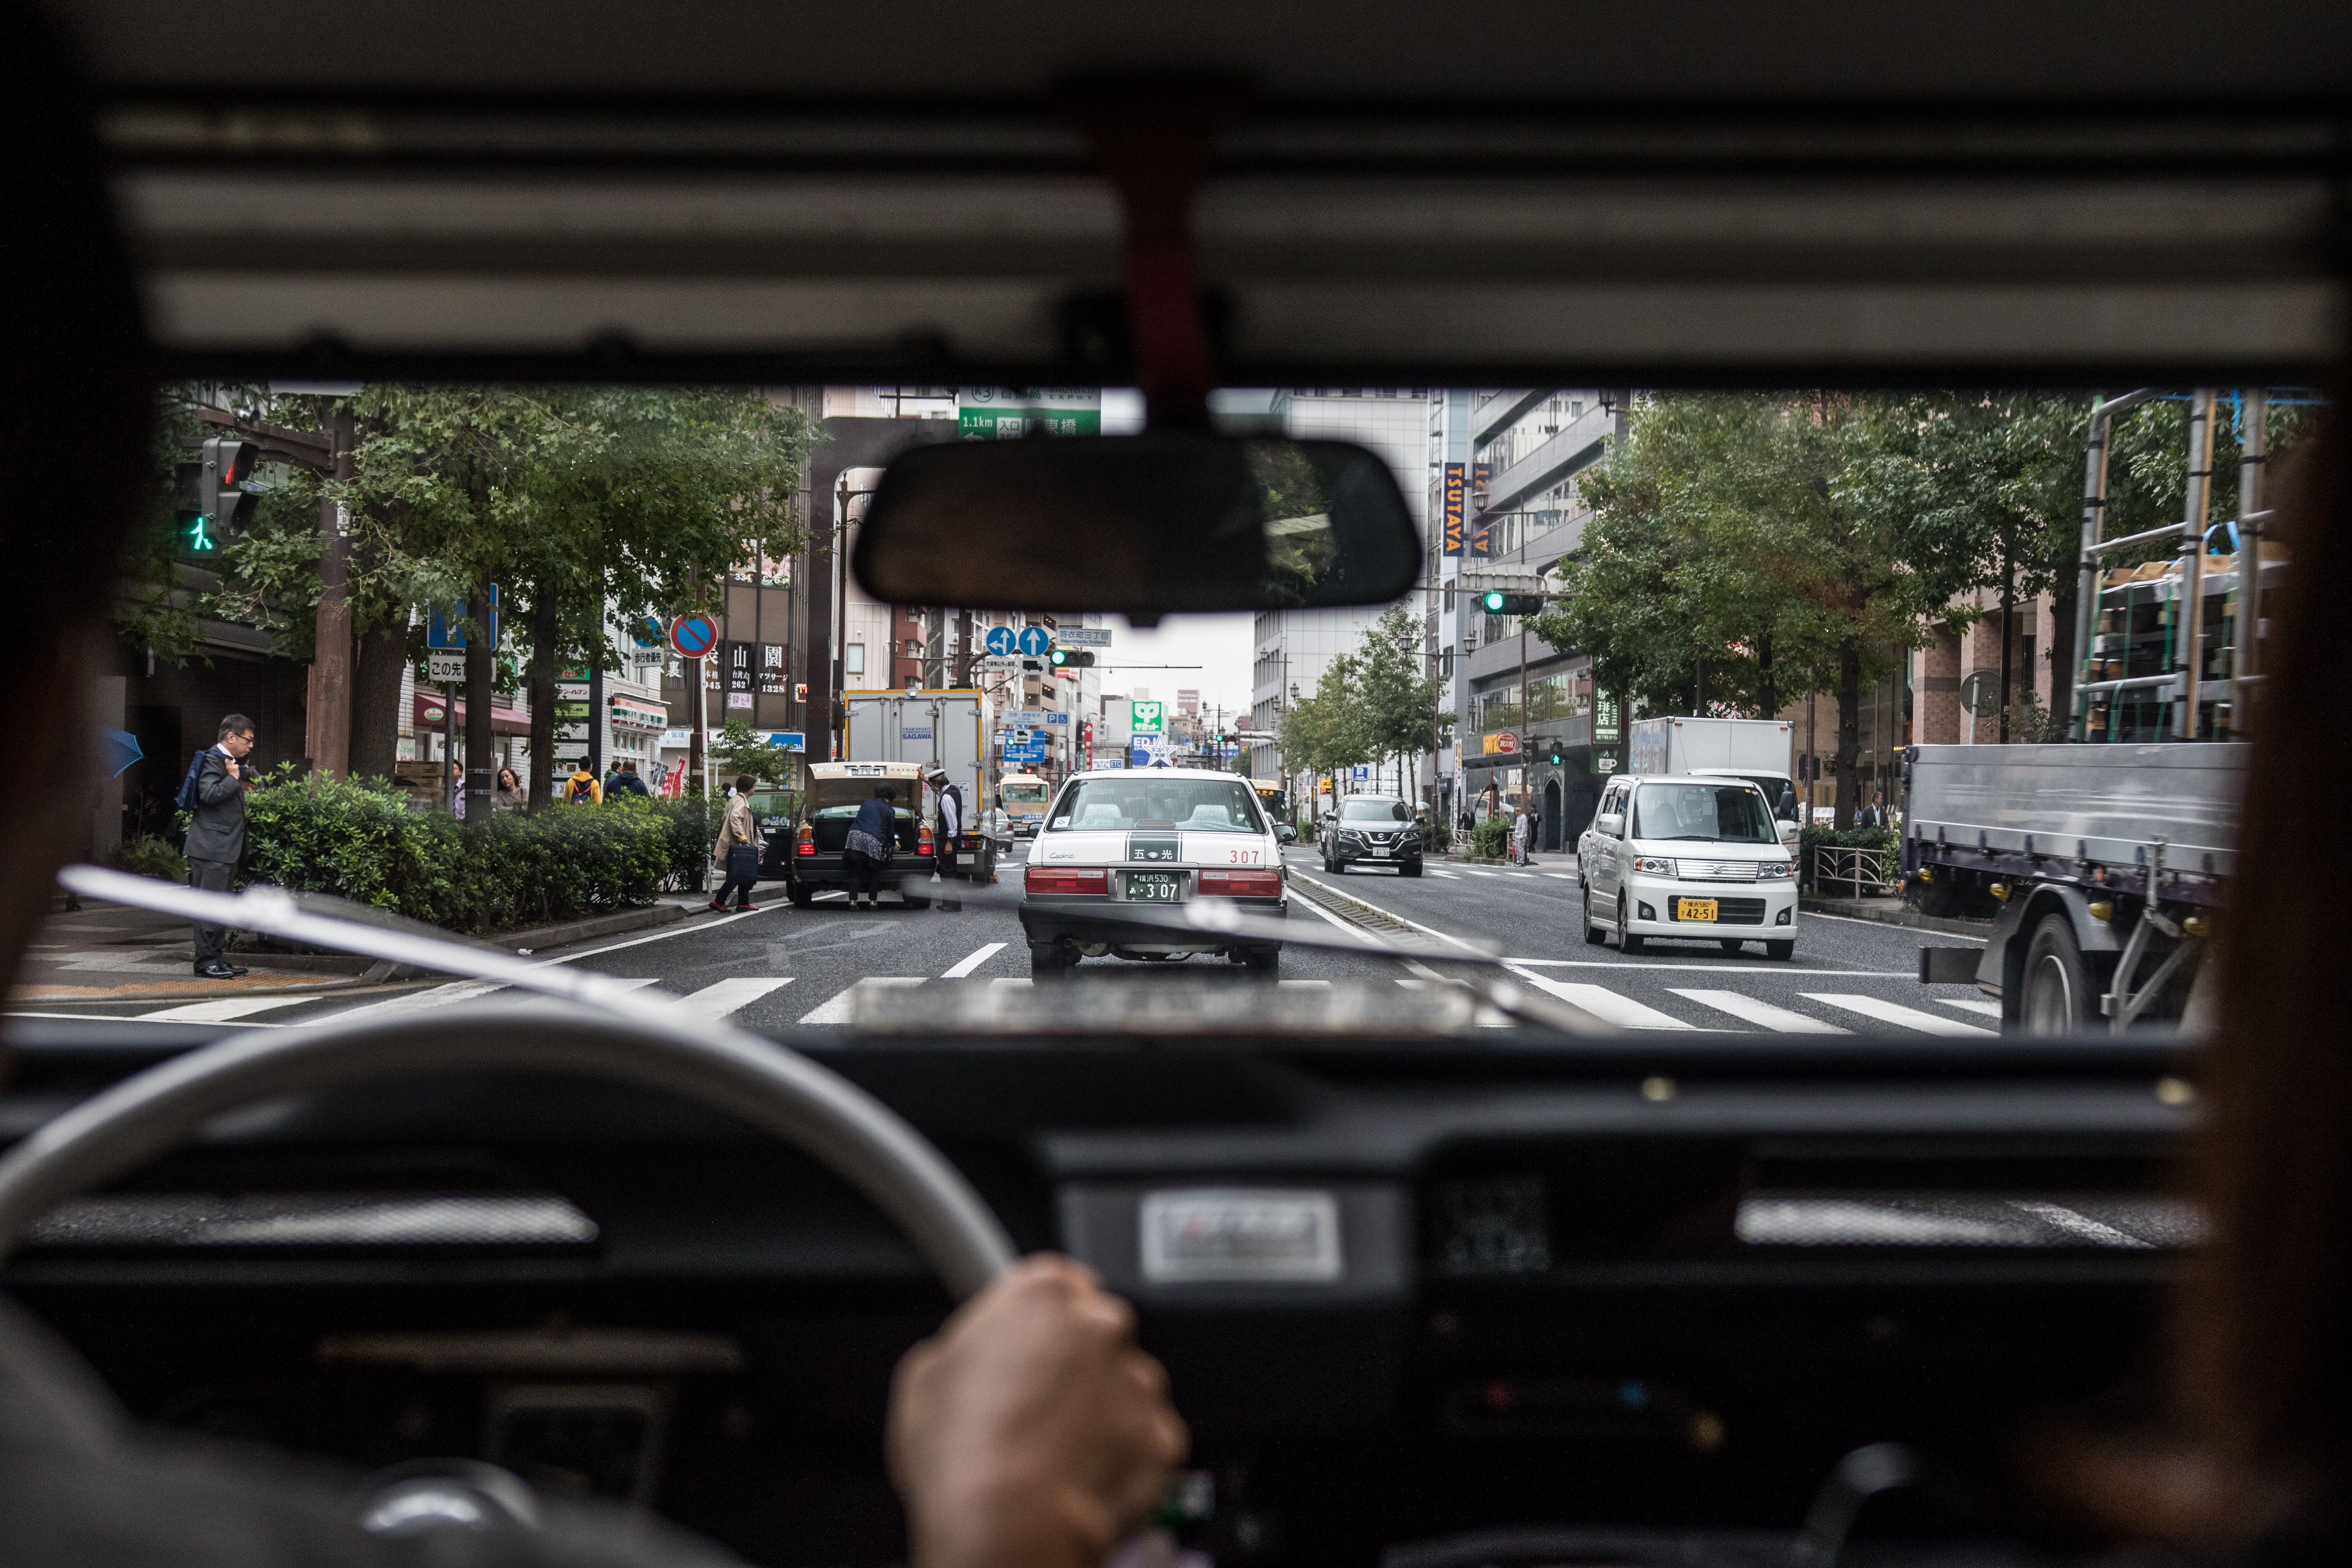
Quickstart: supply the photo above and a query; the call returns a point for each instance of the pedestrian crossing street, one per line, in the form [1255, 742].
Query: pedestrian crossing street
[1602, 989]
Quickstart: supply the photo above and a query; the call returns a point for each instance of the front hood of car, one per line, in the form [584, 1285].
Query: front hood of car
[1152, 847]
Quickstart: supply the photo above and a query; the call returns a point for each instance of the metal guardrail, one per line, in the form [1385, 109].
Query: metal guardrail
[1861, 870]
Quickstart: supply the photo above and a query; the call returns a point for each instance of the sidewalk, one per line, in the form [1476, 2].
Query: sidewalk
[107, 952]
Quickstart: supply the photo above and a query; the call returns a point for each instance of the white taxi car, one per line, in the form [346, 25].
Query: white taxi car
[1690, 858]
[1152, 836]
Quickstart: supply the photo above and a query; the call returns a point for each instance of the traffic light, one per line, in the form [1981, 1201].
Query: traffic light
[1555, 754]
[1496, 602]
[214, 502]
[1071, 658]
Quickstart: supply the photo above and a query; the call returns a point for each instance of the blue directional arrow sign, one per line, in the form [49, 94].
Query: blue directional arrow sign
[1000, 641]
[1035, 642]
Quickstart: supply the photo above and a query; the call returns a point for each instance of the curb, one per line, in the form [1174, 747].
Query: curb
[535, 939]
[1854, 910]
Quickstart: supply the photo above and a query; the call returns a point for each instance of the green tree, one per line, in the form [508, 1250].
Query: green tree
[1395, 696]
[740, 749]
[1324, 733]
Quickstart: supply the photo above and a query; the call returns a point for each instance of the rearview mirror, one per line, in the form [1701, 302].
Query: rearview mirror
[1162, 523]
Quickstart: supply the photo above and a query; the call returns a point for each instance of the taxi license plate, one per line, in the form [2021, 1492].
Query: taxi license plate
[1155, 887]
[1697, 909]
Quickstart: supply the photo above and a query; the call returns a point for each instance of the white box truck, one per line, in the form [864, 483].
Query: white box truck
[939, 727]
[1759, 749]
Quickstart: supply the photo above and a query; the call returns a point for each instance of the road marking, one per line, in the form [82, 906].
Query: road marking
[1853, 921]
[835, 1009]
[679, 929]
[1609, 1007]
[1763, 1015]
[2075, 1224]
[1296, 982]
[1984, 1004]
[1451, 876]
[1895, 1013]
[223, 1011]
[727, 997]
[1561, 876]
[419, 1001]
[971, 962]
[1012, 980]
[1469, 873]
[1720, 966]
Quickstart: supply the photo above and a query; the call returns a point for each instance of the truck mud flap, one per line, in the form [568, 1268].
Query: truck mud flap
[1949, 965]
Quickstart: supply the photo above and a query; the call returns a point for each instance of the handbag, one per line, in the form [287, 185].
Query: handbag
[744, 863]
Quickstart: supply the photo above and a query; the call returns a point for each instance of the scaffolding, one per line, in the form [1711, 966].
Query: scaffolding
[2162, 647]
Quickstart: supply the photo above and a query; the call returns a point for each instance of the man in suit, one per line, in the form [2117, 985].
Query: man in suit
[217, 834]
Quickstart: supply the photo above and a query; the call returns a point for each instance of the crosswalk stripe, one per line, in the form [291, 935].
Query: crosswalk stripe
[223, 1010]
[1453, 875]
[1895, 1013]
[1984, 1004]
[420, 1001]
[725, 998]
[972, 960]
[1763, 1015]
[1607, 1006]
[1562, 876]
[835, 1009]
[1470, 873]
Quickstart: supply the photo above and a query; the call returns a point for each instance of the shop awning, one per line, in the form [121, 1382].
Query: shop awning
[428, 713]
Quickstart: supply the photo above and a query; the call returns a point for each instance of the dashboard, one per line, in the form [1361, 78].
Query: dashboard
[1407, 1292]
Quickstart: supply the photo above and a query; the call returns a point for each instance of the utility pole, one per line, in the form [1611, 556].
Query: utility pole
[331, 685]
[2245, 648]
[2189, 616]
[2008, 632]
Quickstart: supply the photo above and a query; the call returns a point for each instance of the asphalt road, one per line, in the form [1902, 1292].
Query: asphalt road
[783, 967]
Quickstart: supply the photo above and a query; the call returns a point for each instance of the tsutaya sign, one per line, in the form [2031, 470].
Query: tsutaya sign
[990, 413]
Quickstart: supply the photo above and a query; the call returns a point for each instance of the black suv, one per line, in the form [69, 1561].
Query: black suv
[1373, 830]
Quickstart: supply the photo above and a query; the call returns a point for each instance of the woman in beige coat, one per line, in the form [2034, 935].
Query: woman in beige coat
[737, 831]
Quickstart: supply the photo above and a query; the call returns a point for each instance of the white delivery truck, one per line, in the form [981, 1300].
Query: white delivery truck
[937, 727]
[1758, 749]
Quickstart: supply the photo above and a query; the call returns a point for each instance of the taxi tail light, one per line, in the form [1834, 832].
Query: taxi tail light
[1056, 879]
[1241, 884]
[923, 841]
[808, 839]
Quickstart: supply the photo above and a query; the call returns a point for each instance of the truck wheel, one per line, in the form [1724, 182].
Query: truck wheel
[1780, 952]
[1628, 942]
[2055, 998]
[1048, 960]
[1593, 934]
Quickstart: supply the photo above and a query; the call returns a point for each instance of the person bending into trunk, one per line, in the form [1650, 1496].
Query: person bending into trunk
[868, 847]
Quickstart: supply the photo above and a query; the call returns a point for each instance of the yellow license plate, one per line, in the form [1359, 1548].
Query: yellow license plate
[1697, 909]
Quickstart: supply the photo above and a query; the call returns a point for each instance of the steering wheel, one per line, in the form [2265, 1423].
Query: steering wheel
[808, 1105]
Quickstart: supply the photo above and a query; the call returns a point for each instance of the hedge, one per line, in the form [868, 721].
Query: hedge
[1492, 837]
[362, 841]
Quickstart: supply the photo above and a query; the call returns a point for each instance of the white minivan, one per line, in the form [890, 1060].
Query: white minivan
[1688, 858]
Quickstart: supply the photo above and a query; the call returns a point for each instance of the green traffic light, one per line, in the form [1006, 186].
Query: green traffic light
[1493, 603]
[1060, 656]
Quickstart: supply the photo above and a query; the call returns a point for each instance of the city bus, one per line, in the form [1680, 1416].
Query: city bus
[1023, 798]
[1277, 801]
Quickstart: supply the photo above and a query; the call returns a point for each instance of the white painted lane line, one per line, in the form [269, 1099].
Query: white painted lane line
[1895, 1013]
[726, 997]
[1296, 982]
[1984, 1004]
[1470, 873]
[836, 1008]
[1763, 1015]
[1609, 1007]
[681, 928]
[1450, 876]
[223, 1010]
[1720, 966]
[1851, 921]
[972, 960]
[2075, 1224]
[1561, 876]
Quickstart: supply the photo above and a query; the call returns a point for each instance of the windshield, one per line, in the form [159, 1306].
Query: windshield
[1142, 800]
[1733, 613]
[1723, 813]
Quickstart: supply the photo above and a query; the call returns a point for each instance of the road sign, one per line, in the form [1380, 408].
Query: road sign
[1057, 718]
[1144, 717]
[445, 625]
[694, 635]
[646, 633]
[1362, 773]
[1082, 637]
[1000, 641]
[1034, 641]
[444, 665]
[1981, 693]
[1507, 743]
[999, 413]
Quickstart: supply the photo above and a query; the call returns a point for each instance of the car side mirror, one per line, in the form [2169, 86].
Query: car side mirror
[1612, 826]
[1288, 834]
[1789, 832]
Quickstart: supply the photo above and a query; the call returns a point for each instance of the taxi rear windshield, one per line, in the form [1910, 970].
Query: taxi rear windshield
[1195, 805]
[1725, 814]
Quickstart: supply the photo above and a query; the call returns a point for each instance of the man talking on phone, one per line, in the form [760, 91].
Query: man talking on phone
[217, 833]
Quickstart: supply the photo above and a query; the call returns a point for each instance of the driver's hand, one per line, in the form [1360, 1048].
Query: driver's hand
[1031, 1430]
